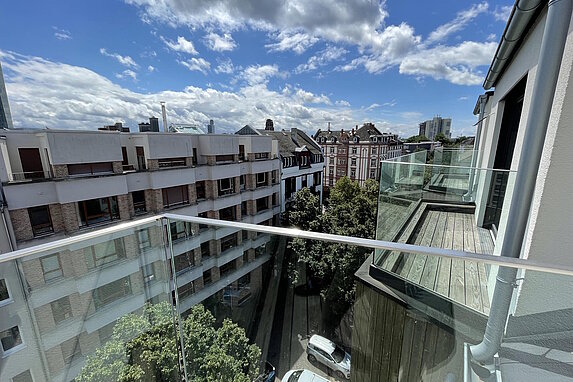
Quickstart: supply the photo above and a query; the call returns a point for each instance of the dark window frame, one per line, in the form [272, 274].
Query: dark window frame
[41, 229]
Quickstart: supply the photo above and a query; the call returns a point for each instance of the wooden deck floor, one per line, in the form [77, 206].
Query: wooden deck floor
[462, 281]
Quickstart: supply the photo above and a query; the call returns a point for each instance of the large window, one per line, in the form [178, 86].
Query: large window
[97, 211]
[180, 230]
[261, 155]
[229, 213]
[227, 268]
[70, 349]
[228, 242]
[10, 339]
[207, 277]
[226, 186]
[224, 158]
[200, 189]
[175, 196]
[4, 293]
[51, 267]
[184, 261]
[262, 204]
[171, 162]
[25, 376]
[261, 179]
[144, 239]
[186, 290]
[90, 169]
[111, 292]
[205, 249]
[139, 202]
[40, 220]
[61, 309]
[104, 253]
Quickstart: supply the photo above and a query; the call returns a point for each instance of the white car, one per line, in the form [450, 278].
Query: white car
[328, 353]
[302, 376]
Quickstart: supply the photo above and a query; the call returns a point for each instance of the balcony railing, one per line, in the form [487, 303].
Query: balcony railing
[30, 176]
[393, 327]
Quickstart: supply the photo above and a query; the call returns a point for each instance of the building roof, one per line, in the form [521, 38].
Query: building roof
[247, 130]
[363, 133]
[289, 141]
[188, 129]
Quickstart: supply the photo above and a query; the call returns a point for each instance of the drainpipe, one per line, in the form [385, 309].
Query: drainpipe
[550, 56]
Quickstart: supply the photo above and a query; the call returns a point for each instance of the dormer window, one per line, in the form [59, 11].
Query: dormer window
[355, 139]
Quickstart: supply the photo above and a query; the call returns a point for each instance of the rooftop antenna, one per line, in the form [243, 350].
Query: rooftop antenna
[164, 113]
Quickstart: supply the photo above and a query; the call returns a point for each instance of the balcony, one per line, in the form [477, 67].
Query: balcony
[421, 297]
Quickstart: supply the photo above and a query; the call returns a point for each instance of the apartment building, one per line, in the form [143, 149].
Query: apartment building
[302, 162]
[59, 184]
[462, 319]
[435, 126]
[356, 153]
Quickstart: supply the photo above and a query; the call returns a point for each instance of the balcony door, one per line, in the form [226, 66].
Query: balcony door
[504, 154]
[31, 163]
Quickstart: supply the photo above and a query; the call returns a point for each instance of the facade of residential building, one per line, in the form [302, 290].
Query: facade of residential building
[302, 162]
[520, 327]
[435, 126]
[356, 153]
[58, 184]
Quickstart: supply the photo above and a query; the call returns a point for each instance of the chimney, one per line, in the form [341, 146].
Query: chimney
[164, 113]
[329, 127]
[269, 125]
[211, 127]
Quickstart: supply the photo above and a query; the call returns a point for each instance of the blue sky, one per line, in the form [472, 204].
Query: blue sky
[80, 65]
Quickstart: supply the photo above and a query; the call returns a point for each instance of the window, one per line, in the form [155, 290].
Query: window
[331, 170]
[226, 186]
[205, 249]
[4, 293]
[374, 150]
[23, 377]
[184, 261]
[352, 173]
[353, 162]
[274, 176]
[61, 309]
[229, 213]
[207, 277]
[354, 150]
[372, 174]
[261, 178]
[317, 178]
[104, 253]
[148, 273]
[70, 349]
[261, 155]
[111, 292]
[224, 158]
[40, 220]
[97, 211]
[227, 268]
[51, 267]
[200, 189]
[105, 332]
[262, 204]
[228, 242]
[186, 290]
[180, 230]
[175, 196]
[242, 182]
[342, 161]
[10, 339]
[245, 280]
[373, 162]
[332, 150]
[331, 160]
[171, 162]
[241, 152]
[244, 208]
[139, 201]
[90, 169]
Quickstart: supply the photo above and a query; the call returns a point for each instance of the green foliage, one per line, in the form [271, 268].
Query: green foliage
[145, 348]
[416, 139]
[351, 211]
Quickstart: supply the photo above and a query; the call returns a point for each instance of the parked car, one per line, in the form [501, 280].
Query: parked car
[325, 351]
[302, 376]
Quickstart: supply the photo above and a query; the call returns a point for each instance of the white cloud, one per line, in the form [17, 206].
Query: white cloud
[62, 34]
[461, 20]
[197, 64]
[124, 60]
[219, 43]
[322, 58]
[463, 98]
[182, 45]
[151, 68]
[63, 96]
[456, 64]
[502, 13]
[298, 42]
[308, 97]
[260, 74]
[127, 73]
[226, 67]
[491, 37]
[342, 103]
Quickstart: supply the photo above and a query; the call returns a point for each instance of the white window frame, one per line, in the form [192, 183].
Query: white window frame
[9, 300]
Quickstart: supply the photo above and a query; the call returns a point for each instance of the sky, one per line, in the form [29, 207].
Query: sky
[302, 63]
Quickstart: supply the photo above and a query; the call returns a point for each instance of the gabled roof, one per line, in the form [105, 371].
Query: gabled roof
[292, 141]
[247, 130]
[363, 133]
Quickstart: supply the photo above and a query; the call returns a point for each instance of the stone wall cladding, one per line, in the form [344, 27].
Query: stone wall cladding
[117, 167]
[153, 164]
[250, 181]
[123, 205]
[211, 160]
[60, 170]
[21, 224]
[211, 189]
[198, 284]
[57, 217]
[189, 161]
[192, 191]
[70, 217]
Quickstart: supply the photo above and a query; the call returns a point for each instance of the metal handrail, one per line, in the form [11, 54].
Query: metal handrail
[518, 263]
[447, 166]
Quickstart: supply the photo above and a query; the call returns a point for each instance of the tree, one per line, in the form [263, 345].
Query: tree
[416, 139]
[351, 212]
[145, 348]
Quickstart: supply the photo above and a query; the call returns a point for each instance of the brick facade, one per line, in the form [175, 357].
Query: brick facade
[21, 224]
[70, 216]
[117, 167]
[60, 170]
[123, 205]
